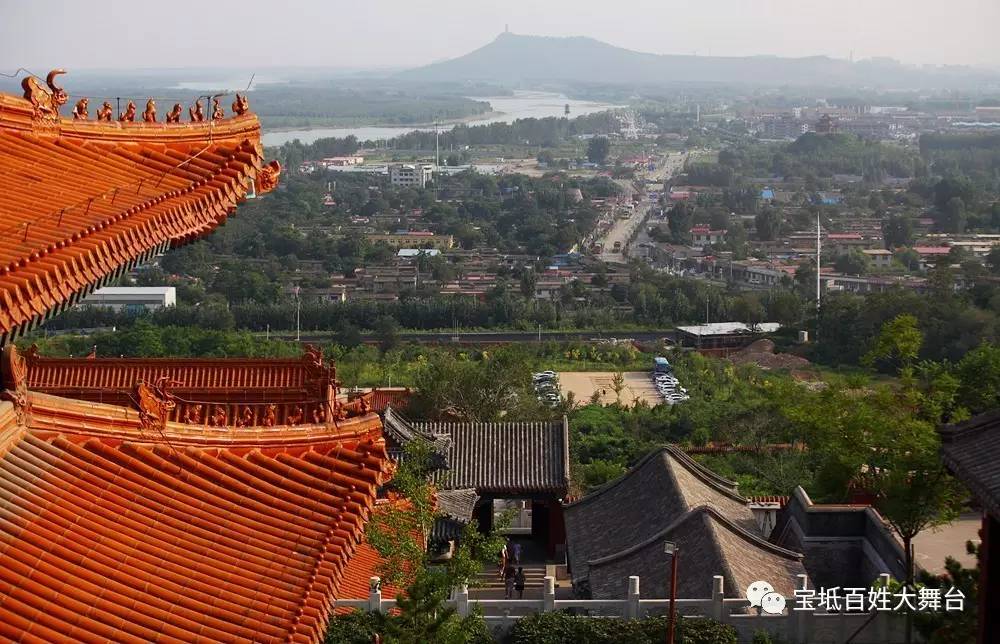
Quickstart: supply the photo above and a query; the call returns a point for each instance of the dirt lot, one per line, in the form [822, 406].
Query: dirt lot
[638, 386]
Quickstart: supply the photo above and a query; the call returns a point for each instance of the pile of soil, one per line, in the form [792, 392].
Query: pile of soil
[761, 353]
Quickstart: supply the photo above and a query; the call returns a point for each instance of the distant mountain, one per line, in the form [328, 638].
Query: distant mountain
[512, 58]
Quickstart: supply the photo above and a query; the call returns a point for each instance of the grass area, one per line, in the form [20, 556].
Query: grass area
[703, 156]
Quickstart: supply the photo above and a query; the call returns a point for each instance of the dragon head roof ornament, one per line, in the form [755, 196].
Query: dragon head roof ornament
[46, 101]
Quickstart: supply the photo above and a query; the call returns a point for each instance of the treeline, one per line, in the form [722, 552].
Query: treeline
[972, 155]
[814, 155]
[433, 313]
[311, 106]
[546, 132]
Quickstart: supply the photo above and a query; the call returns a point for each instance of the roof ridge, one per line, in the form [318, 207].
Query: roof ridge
[709, 477]
[698, 510]
[703, 474]
[974, 425]
[17, 113]
[72, 415]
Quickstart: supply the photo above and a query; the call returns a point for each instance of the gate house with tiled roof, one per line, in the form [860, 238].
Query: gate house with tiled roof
[514, 460]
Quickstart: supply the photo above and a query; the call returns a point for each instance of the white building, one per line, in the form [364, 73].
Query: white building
[413, 175]
[132, 298]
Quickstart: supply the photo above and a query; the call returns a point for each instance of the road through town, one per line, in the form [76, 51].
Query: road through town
[622, 230]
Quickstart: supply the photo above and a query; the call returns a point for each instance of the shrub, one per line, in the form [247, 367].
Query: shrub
[356, 627]
[706, 631]
[564, 628]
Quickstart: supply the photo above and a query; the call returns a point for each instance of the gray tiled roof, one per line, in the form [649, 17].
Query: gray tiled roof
[456, 508]
[621, 528]
[971, 450]
[399, 432]
[505, 459]
[708, 544]
[457, 504]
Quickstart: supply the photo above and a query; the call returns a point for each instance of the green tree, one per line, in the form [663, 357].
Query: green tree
[851, 263]
[805, 279]
[913, 491]
[598, 149]
[953, 216]
[898, 343]
[348, 335]
[978, 375]
[768, 224]
[897, 231]
[618, 385]
[679, 220]
[387, 332]
[528, 282]
[398, 531]
[952, 627]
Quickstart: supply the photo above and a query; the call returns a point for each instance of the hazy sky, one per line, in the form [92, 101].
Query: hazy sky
[40, 34]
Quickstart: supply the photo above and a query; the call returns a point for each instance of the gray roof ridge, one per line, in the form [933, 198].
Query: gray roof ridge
[712, 512]
[395, 423]
[702, 473]
[978, 423]
[708, 476]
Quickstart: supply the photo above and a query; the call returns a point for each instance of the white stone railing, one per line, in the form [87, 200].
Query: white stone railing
[793, 627]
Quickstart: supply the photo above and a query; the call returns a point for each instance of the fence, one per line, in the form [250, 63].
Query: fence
[793, 627]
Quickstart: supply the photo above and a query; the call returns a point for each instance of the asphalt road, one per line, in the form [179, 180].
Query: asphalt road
[622, 229]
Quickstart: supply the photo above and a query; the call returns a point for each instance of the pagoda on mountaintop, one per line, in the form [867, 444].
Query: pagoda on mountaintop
[166, 500]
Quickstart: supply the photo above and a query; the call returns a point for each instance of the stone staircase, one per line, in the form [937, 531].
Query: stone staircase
[488, 584]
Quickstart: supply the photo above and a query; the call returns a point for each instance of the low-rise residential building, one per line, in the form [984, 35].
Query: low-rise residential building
[414, 239]
[879, 257]
[412, 175]
[705, 236]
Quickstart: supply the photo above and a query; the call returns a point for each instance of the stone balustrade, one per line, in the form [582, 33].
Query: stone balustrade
[793, 627]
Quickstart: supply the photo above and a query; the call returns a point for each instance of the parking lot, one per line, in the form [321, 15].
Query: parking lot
[638, 386]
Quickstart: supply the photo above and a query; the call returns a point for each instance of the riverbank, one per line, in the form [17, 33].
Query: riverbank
[523, 104]
[384, 123]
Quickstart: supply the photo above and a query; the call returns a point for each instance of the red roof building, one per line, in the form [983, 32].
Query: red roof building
[82, 200]
[166, 500]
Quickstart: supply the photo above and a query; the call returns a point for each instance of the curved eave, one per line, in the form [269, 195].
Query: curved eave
[83, 201]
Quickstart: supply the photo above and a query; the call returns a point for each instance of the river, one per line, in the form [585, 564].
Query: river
[521, 105]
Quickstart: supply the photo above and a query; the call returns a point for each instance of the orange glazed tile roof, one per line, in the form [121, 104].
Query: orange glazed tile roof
[111, 531]
[81, 200]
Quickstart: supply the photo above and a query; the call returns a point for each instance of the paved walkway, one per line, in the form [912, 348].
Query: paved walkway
[932, 546]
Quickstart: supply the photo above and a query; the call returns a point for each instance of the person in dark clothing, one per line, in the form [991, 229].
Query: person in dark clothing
[508, 582]
[519, 583]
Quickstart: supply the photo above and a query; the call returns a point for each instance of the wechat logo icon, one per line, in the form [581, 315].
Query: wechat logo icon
[761, 595]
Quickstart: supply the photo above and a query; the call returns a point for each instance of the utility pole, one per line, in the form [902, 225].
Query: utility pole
[298, 317]
[670, 548]
[437, 146]
[818, 255]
